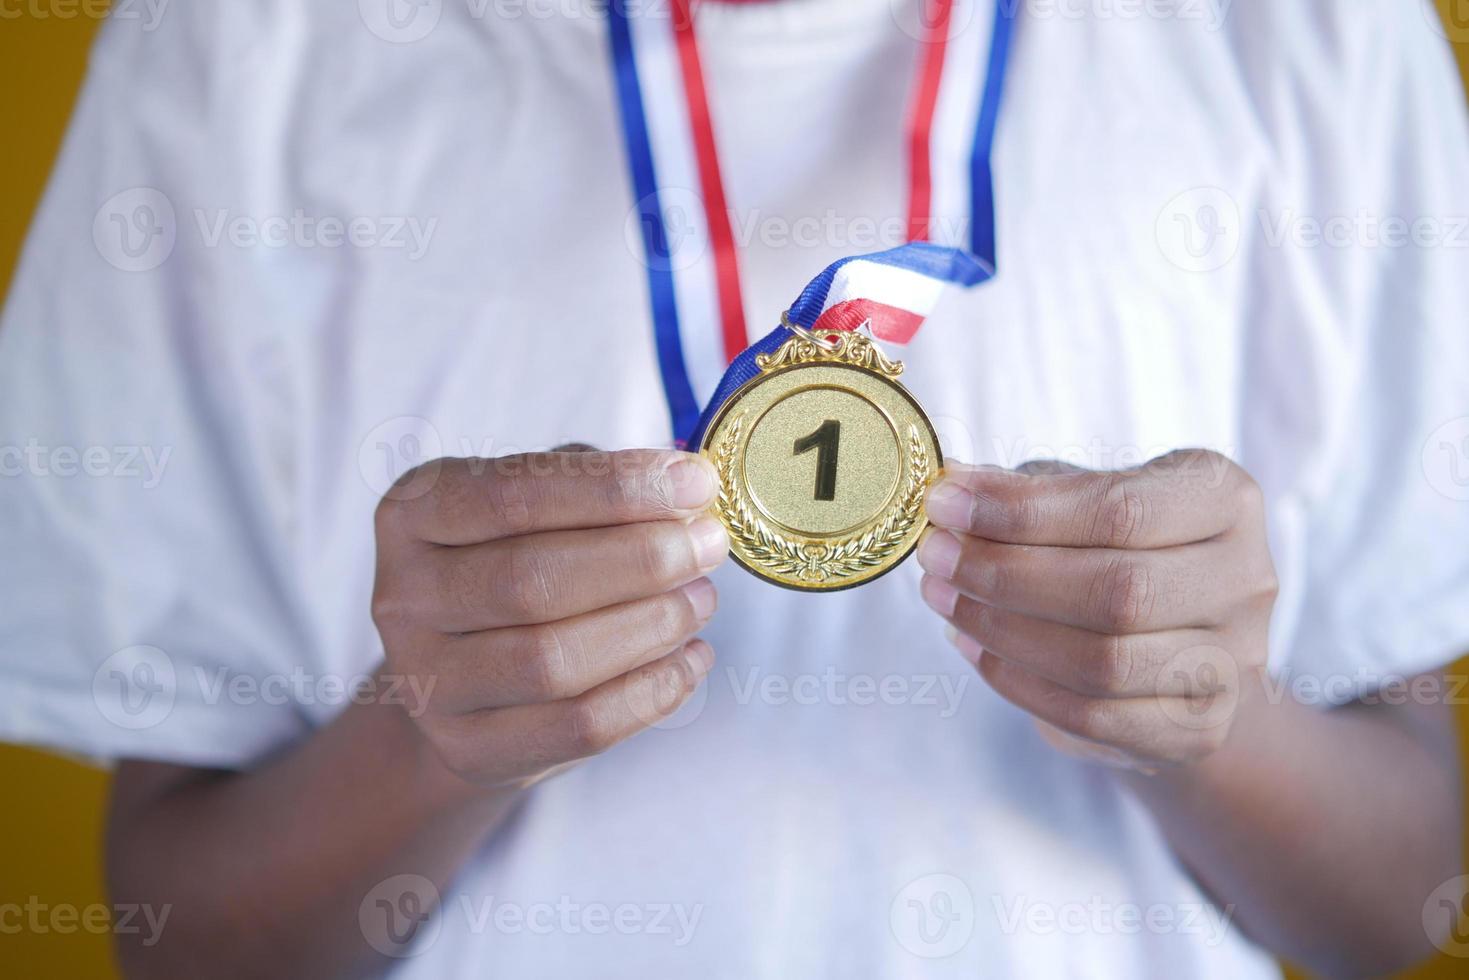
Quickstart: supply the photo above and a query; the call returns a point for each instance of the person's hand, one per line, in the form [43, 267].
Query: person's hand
[547, 600]
[1123, 610]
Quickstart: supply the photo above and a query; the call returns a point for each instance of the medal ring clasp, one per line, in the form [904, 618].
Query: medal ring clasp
[826, 344]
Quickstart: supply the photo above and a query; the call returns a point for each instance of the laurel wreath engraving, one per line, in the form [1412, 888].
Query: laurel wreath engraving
[817, 562]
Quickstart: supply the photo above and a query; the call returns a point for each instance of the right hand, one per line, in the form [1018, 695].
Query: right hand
[550, 599]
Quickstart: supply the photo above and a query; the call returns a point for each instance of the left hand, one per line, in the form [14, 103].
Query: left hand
[1122, 609]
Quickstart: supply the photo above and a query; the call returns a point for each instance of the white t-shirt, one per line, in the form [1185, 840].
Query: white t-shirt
[209, 373]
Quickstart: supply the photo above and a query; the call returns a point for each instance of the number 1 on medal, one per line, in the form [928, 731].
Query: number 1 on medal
[825, 440]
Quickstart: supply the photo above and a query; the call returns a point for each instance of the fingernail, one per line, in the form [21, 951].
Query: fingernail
[949, 504]
[938, 553]
[710, 542]
[940, 595]
[967, 646]
[692, 480]
[703, 597]
[701, 656]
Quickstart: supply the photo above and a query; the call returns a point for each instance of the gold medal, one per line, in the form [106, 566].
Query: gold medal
[823, 459]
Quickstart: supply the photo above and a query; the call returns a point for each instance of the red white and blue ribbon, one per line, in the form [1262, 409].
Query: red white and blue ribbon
[689, 249]
[890, 293]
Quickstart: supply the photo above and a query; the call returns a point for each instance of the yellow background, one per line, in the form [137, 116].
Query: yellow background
[51, 817]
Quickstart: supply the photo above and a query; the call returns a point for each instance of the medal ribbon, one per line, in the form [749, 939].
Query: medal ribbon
[688, 243]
